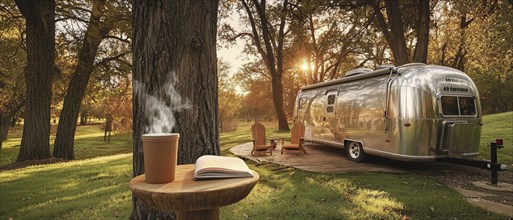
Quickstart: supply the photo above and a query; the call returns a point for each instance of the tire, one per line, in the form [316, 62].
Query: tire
[355, 152]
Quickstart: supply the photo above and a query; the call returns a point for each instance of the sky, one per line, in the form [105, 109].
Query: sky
[233, 54]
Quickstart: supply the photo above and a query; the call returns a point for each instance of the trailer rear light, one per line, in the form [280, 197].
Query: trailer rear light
[499, 142]
[407, 124]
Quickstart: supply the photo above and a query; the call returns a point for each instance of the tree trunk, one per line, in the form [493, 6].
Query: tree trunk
[393, 31]
[8, 117]
[395, 21]
[174, 44]
[278, 104]
[40, 37]
[421, 48]
[4, 128]
[274, 64]
[83, 118]
[64, 140]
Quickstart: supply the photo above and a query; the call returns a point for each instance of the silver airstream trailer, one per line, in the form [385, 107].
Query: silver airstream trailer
[414, 112]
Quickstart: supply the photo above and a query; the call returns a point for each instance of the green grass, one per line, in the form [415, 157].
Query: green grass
[97, 188]
[82, 189]
[296, 194]
[88, 144]
[498, 126]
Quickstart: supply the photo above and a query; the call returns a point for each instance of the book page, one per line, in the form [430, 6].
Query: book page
[209, 166]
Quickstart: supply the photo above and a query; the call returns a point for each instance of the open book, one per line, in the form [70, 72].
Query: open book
[218, 167]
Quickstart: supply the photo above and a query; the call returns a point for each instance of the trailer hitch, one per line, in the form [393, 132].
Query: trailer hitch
[491, 165]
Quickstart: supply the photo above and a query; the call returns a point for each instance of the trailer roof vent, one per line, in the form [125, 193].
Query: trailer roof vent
[357, 71]
[385, 66]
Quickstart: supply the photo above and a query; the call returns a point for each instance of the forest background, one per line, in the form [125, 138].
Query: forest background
[283, 45]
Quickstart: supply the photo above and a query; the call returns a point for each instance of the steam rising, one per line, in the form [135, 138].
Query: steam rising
[160, 108]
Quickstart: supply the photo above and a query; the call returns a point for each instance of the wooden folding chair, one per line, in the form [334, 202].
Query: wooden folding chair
[296, 139]
[259, 146]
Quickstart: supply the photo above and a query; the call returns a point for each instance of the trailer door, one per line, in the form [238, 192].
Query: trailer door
[330, 116]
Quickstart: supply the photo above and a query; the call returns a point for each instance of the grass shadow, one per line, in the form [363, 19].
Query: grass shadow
[78, 187]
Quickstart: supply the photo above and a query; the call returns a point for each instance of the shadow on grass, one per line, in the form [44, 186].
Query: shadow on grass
[85, 147]
[287, 193]
[68, 190]
[294, 194]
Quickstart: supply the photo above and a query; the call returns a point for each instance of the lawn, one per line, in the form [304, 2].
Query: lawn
[88, 144]
[95, 186]
[498, 126]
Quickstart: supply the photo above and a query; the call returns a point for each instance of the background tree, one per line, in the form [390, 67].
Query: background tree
[229, 101]
[257, 83]
[489, 55]
[267, 36]
[174, 44]
[40, 37]
[103, 18]
[395, 26]
[327, 40]
[13, 56]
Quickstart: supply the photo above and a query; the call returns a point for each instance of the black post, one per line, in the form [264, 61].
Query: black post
[493, 165]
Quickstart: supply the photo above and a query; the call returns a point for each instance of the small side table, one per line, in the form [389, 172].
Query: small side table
[192, 199]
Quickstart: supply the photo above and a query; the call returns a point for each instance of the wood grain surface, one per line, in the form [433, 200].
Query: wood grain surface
[185, 194]
[321, 159]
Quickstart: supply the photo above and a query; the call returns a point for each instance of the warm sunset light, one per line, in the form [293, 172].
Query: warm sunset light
[339, 109]
[304, 66]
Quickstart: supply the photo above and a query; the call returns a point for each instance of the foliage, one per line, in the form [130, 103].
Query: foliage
[14, 58]
[229, 101]
[475, 37]
[257, 102]
[112, 61]
[327, 41]
[329, 38]
[119, 104]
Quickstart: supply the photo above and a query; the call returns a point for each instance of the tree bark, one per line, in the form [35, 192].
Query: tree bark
[40, 37]
[64, 140]
[393, 30]
[174, 43]
[4, 129]
[395, 21]
[421, 48]
[83, 118]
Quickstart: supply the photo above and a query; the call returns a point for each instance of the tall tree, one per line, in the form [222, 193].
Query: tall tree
[329, 38]
[394, 29]
[174, 48]
[269, 43]
[40, 36]
[98, 28]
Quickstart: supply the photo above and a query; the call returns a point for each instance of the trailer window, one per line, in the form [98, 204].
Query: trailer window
[467, 105]
[330, 109]
[331, 99]
[454, 105]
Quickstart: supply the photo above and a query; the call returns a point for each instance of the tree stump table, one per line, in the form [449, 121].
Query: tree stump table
[192, 199]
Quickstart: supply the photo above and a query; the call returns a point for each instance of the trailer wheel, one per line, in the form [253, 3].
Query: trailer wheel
[355, 152]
